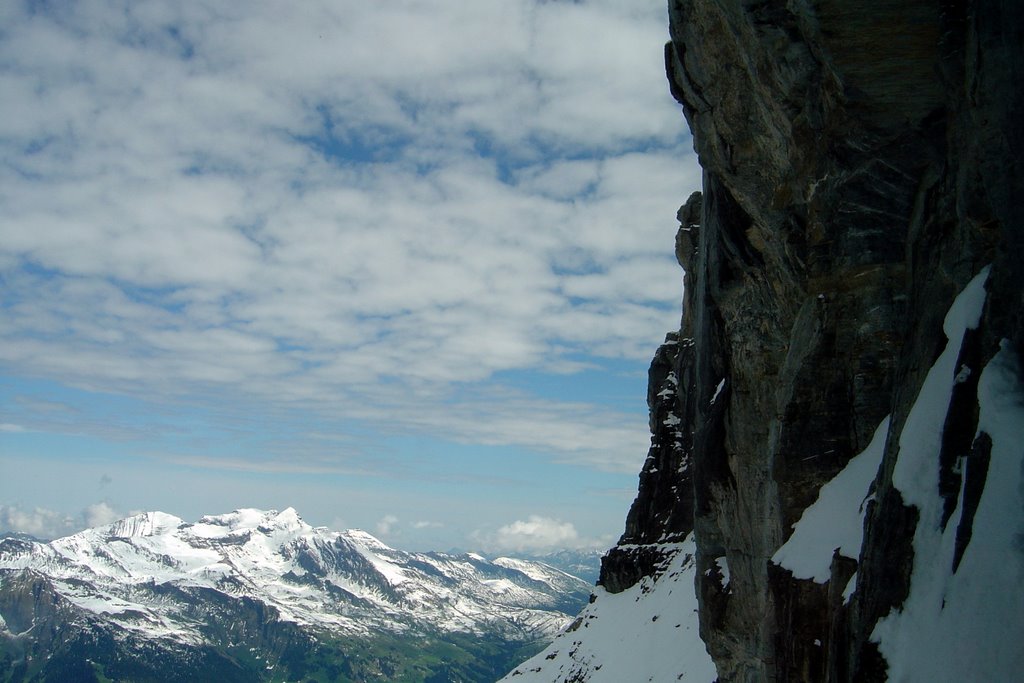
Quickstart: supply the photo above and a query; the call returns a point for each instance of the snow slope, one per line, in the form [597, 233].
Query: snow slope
[648, 632]
[963, 622]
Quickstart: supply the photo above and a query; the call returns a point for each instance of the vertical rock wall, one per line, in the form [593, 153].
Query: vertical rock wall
[861, 160]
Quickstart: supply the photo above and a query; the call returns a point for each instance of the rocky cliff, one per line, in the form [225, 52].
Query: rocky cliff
[838, 423]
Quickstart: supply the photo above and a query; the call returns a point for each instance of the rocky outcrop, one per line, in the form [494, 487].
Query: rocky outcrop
[664, 513]
[860, 164]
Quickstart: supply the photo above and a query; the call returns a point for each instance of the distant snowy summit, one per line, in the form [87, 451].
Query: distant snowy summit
[257, 591]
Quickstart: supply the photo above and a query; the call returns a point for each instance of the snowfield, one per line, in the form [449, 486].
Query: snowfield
[648, 632]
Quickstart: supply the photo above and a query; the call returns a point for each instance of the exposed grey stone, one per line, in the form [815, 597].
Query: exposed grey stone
[861, 160]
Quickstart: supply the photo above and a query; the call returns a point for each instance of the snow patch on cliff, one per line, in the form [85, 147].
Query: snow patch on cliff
[915, 473]
[835, 522]
[967, 623]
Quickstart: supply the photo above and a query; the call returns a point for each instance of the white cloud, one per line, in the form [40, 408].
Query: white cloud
[387, 525]
[185, 229]
[99, 514]
[424, 524]
[39, 522]
[576, 433]
[46, 524]
[535, 534]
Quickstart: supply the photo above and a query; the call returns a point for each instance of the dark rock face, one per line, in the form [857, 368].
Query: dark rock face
[860, 163]
[664, 514]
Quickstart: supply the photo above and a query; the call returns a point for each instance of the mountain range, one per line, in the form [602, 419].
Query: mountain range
[262, 595]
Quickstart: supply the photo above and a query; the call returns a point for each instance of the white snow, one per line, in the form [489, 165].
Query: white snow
[836, 520]
[851, 586]
[718, 390]
[648, 632]
[915, 474]
[673, 382]
[145, 524]
[967, 625]
[535, 570]
[366, 540]
[723, 568]
[963, 375]
[371, 548]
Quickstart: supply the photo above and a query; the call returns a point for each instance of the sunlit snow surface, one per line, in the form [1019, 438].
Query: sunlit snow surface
[966, 625]
[646, 633]
[348, 581]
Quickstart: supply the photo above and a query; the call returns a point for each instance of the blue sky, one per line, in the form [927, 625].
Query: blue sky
[401, 266]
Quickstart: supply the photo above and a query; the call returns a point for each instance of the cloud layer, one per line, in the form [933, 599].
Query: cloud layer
[46, 524]
[368, 212]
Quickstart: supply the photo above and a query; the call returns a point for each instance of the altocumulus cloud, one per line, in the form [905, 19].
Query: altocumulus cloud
[371, 211]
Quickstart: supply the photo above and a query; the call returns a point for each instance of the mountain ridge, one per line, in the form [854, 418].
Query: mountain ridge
[155, 581]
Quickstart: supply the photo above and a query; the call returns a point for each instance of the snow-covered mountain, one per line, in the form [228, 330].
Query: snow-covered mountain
[263, 593]
[585, 564]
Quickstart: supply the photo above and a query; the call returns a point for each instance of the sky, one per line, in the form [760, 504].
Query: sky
[399, 265]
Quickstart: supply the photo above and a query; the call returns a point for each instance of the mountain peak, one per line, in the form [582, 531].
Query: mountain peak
[152, 523]
[251, 519]
[365, 539]
[289, 512]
